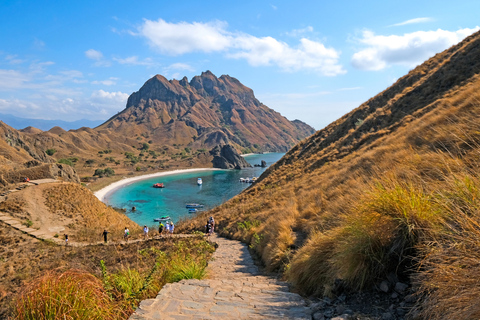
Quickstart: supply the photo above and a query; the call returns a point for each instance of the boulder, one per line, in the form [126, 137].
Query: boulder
[226, 157]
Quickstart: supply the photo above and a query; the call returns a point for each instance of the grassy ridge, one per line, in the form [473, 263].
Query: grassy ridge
[396, 193]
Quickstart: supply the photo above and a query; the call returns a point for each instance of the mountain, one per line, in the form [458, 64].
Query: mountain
[393, 183]
[206, 112]
[166, 124]
[44, 125]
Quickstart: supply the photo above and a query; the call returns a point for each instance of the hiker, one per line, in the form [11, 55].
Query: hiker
[207, 229]
[211, 221]
[66, 239]
[126, 234]
[167, 229]
[145, 232]
[172, 226]
[105, 232]
[160, 228]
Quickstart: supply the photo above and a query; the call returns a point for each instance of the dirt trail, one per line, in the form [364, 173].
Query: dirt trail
[234, 289]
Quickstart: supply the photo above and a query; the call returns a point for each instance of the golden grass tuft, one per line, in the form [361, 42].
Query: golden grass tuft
[70, 295]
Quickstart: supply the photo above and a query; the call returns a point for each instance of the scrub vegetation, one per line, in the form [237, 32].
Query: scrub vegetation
[397, 193]
[97, 281]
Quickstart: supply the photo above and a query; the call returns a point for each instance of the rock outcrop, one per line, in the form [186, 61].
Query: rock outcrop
[226, 157]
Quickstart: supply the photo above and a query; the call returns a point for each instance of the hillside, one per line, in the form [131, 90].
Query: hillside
[165, 125]
[205, 112]
[389, 185]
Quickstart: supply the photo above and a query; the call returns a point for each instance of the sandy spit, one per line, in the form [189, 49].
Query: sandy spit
[102, 193]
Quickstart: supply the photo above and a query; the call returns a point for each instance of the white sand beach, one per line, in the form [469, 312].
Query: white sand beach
[101, 194]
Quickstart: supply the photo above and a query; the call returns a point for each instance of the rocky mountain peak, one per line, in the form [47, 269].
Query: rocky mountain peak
[204, 111]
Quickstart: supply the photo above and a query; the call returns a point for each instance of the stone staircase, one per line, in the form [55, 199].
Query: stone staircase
[234, 289]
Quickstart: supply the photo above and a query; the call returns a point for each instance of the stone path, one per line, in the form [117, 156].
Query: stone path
[234, 289]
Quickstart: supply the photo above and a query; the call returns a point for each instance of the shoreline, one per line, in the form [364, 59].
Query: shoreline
[102, 193]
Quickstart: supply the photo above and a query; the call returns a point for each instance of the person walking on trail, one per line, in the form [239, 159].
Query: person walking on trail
[172, 227]
[167, 229]
[66, 239]
[207, 229]
[211, 221]
[126, 234]
[145, 232]
[105, 233]
[160, 229]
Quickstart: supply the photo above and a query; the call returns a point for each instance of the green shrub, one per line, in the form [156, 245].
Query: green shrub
[66, 161]
[50, 152]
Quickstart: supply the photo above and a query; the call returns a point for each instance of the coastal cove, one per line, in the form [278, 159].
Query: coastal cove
[180, 188]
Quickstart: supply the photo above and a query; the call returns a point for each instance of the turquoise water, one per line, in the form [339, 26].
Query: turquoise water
[180, 189]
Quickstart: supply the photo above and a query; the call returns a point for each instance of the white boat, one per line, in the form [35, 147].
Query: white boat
[199, 181]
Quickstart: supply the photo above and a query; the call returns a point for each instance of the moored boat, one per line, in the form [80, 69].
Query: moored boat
[159, 185]
[199, 181]
[192, 210]
[193, 205]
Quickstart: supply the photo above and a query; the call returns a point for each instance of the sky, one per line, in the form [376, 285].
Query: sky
[309, 60]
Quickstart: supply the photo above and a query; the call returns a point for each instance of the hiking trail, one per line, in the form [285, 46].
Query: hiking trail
[234, 289]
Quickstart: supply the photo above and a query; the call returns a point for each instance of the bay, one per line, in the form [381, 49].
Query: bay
[181, 188]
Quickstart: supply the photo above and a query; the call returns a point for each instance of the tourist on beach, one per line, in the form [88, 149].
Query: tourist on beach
[145, 232]
[160, 229]
[126, 234]
[66, 239]
[105, 233]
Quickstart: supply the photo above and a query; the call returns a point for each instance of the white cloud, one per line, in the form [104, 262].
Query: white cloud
[94, 54]
[134, 61]
[309, 55]
[104, 97]
[181, 38]
[180, 66]
[109, 82]
[299, 32]
[409, 49]
[412, 21]
[18, 105]
[12, 79]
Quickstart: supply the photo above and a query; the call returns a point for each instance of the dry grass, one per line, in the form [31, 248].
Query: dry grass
[129, 273]
[69, 295]
[92, 216]
[355, 203]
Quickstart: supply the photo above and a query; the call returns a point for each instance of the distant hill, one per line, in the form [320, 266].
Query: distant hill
[44, 125]
[205, 112]
[393, 183]
[166, 124]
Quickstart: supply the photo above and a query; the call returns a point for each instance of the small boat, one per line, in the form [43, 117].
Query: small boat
[192, 210]
[193, 205]
[162, 219]
[242, 179]
[159, 185]
[199, 181]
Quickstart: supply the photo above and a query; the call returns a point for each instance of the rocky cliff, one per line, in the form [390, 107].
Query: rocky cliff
[205, 112]
[226, 157]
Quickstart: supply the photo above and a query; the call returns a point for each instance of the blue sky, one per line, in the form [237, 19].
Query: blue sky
[309, 60]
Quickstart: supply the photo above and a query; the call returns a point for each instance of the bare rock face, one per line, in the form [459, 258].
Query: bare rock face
[226, 157]
[205, 112]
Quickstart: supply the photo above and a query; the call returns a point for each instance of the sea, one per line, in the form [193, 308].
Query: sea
[182, 188]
